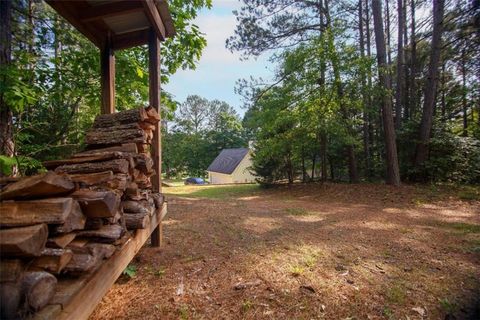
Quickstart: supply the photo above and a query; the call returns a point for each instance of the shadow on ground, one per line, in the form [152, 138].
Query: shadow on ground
[317, 252]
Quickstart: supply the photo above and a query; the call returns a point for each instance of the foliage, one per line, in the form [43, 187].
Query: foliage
[53, 82]
[320, 117]
[452, 158]
[199, 130]
[130, 271]
[26, 165]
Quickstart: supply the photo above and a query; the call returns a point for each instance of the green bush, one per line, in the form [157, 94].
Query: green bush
[26, 165]
[453, 158]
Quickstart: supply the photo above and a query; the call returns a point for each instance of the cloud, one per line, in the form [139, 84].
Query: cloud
[217, 28]
[226, 5]
[218, 68]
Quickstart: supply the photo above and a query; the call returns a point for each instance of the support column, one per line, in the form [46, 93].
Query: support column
[107, 72]
[154, 99]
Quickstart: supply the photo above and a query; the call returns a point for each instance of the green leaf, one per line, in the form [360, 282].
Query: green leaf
[130, 271]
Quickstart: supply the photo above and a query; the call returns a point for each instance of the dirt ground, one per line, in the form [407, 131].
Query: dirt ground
[333, 251]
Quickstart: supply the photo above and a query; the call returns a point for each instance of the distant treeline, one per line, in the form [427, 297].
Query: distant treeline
[196, 134]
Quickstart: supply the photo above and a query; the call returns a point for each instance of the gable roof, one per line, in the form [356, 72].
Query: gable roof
[228, 160]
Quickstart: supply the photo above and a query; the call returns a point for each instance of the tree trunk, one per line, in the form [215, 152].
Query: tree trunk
[7, 145]
[323, 65]
[478, 101]
[332, 169]
[464, 95]
[388, 34]
[406, 73]
[393, 173]
[312, 178]
[399, 103]
[443, 100]
[371, 131]
[304, 171]
[323, 155]
[366, 138]
[352, 167]
[431, 84]
[413, 63]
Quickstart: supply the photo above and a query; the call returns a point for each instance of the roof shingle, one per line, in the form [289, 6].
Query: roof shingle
[227, 160]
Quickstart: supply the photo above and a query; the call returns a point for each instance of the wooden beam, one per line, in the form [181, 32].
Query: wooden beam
[85, 293]
[154, 99]
[162, 7]
[110, 10]
[107, 71]
[154, 16]
[154, 95]
[64, 8]
[131, 39]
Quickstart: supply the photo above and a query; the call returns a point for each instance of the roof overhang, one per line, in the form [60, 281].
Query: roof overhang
[121, 24]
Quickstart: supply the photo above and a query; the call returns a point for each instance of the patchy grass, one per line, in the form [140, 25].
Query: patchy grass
[461, 227]
[183, 312]
[469, 193]
[309, 256]
[388, 313]
[296, 270]
[160, 272]
[174, 182]
[396, 293]
[297, 212]
[473, 246]
[213, 192]
[447, 306]
[246, 305]
[310, 261]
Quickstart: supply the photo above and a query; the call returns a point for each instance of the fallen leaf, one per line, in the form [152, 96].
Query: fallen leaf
[244, 285]
[420, 311]
[308, 288]
[340, 267]
[180, 289]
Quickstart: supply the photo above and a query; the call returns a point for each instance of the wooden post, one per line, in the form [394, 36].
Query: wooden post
[107, 71]
[154, 97]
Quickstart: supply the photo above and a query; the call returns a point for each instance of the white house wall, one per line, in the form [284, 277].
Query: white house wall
[241, 174]
[219, 178]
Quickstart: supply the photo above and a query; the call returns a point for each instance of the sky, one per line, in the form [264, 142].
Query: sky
[218, 68]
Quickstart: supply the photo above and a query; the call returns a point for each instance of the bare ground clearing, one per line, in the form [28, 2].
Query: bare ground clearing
[308, 252]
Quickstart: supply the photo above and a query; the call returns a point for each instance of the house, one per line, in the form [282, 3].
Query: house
[231, 166]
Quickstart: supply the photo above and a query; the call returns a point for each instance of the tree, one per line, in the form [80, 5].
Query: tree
[431, 84]
[50, 85]
[267, 24]
[193, 114]
[399, 96]
[199, 130]
[393, 172]
[7, 146]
